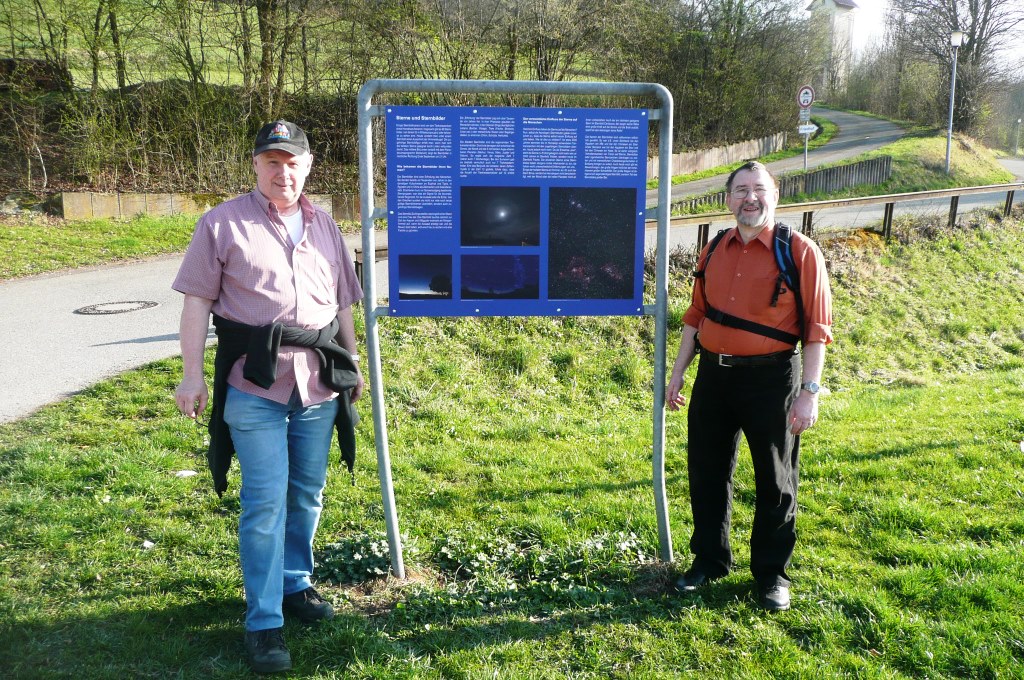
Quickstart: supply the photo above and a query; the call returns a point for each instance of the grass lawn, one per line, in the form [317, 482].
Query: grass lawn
[521, 459]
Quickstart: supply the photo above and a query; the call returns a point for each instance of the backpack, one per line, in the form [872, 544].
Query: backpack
[789, 276]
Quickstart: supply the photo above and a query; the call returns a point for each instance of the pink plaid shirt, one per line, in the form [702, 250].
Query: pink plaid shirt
[242, 258]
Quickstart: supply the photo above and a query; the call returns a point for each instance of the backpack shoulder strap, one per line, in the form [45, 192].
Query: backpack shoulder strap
[788, 271]
[699, 274]
[784, 255]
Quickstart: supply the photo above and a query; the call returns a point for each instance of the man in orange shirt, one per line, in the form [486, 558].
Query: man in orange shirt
[751, 379]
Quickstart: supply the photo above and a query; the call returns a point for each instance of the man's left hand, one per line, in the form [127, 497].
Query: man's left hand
[804, 413]
[357, 391]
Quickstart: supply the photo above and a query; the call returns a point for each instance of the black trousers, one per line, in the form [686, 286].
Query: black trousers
[755, 401]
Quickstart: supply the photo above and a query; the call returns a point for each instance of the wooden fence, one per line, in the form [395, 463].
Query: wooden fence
[874, 171]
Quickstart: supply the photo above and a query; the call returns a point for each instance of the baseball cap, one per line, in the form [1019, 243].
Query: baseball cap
[283, 136]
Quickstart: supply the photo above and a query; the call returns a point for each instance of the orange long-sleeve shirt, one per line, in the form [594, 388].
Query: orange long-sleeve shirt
[740, 281]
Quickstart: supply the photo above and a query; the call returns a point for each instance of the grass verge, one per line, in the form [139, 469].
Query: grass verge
[38, 245]
[521, 458]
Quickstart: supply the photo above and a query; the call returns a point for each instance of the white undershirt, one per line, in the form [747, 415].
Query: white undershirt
[294, 225]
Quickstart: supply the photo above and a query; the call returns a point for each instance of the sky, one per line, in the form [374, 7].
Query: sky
[869, 26]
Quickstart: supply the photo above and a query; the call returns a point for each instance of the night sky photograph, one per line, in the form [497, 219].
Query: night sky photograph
[593, 243]
[500, 277]
[424, 277]
[500, 216]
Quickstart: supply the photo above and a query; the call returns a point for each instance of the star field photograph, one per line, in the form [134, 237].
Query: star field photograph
[424, 277]
[592, 250]
[500, 277]
[500, 216]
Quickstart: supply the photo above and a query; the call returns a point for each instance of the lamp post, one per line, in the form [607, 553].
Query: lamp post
[956, 39]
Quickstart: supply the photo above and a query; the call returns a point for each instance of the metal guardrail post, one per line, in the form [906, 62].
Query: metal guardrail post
[808, 223]
[954, 203]
[887, 220]
[1008, 206]
[703, 231]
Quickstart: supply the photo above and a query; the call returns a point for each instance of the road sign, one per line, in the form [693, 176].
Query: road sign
[808, 129]
[805, 115]
[805, 96]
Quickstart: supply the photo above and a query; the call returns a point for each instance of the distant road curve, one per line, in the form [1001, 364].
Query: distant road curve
[857, 135]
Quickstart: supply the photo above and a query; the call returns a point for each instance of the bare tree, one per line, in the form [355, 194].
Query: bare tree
[988, 25]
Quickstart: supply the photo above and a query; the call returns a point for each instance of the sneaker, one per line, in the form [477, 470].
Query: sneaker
[307, 606]
[266, 651]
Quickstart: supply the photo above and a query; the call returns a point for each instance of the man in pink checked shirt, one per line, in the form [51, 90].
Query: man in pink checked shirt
[272, 269]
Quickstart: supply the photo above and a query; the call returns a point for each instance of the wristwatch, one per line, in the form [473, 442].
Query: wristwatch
[811, 387]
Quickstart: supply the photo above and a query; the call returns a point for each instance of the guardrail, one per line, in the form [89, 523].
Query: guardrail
[808, 209]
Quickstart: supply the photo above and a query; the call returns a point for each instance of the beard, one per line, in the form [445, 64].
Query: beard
[752, 219]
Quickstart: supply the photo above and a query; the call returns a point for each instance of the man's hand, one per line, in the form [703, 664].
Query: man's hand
[357, 391]
[673, 397]
[191, 397]
[804, 412]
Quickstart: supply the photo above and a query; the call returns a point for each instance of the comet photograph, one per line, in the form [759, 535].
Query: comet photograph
[500, 277]
[500, 216]
[592, 251]
[424, 277]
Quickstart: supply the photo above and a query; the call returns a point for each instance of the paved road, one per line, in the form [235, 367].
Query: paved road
[857, 135]
[52, 352]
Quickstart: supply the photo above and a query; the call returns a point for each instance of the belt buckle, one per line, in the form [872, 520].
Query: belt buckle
[721, 360]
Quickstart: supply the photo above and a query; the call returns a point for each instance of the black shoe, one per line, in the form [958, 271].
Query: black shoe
[307, 606]
[693, 580]
[774, 598]
[266, 651]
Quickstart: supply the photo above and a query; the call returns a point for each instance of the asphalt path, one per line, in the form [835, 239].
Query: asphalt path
[857, 135]
[64, 332]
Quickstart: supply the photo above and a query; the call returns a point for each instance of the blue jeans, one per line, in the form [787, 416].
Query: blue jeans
[282, 451]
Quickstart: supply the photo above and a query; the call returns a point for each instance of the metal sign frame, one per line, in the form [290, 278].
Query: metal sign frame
[369, 213]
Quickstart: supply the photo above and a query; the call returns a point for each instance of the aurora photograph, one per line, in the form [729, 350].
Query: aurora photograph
[500, 216]
[593, 243]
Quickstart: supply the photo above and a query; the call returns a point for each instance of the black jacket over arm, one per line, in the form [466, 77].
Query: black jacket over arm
[260, 344]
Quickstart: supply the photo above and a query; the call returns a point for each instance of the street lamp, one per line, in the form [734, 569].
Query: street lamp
[956, 39]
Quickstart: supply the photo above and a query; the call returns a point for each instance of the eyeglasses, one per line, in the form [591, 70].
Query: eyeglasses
[743, 192]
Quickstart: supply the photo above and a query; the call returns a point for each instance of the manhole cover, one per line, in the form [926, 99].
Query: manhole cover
[116, 307]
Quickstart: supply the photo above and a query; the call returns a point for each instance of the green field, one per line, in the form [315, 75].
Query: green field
[521, 458]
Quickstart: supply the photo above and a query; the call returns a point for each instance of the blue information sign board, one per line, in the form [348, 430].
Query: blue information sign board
[497, 211]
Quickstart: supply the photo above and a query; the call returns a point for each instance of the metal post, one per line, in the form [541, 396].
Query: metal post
[887, 220]
[806, 137]
[952, 90]
[661, 326]
[1016, 138]
[380, 431]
